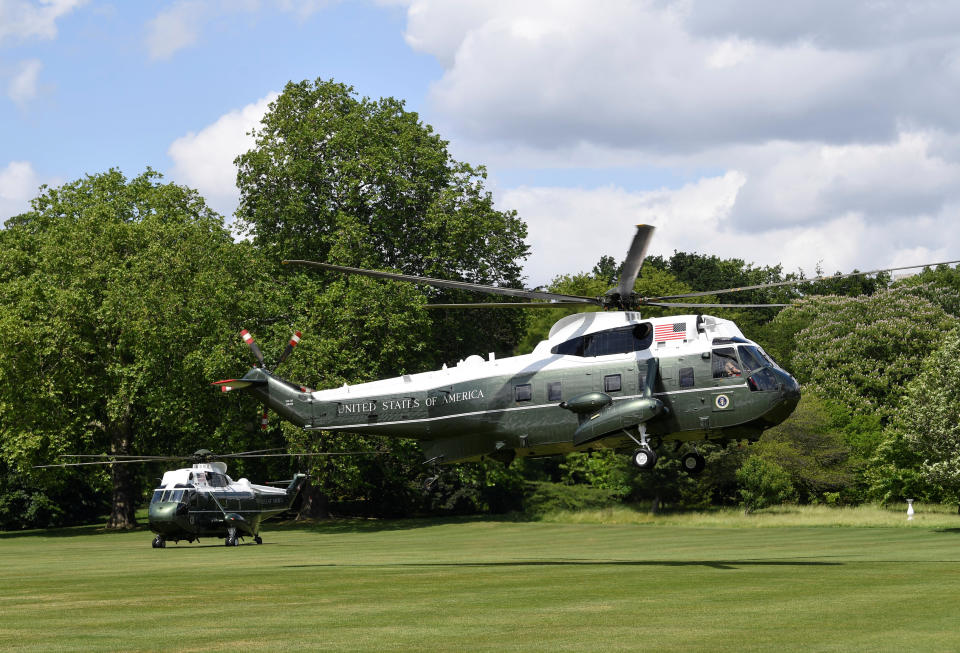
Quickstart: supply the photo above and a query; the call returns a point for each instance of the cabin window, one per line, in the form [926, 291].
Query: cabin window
[523, 392]
[622, 340]
[686, 377]
[725, 363]
[554, 391]
[611, 383]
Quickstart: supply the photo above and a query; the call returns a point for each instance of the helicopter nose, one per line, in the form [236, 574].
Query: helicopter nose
[782, 407]
[162, 517]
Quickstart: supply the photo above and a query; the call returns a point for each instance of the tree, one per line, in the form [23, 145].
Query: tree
[860, 351]
[927, 421]
[812, 451]
[701, 272]
[364, 183]
[115, 297]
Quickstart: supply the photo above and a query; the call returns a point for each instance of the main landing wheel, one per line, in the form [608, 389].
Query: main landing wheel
[692, 463]
[232, 539]
[644, 458]
[258, 539]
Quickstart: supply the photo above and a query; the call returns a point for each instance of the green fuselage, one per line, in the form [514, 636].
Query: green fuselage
[518, 405]
[184, 511]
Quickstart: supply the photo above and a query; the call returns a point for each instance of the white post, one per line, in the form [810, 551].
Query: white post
[909, 509]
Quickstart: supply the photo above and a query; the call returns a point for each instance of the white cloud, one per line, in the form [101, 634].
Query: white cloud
[570, 228]
[204, 159]
[827, 131]
[22, 20]
[23, 85]
[18, 185]
[657, 76]
[175, 28]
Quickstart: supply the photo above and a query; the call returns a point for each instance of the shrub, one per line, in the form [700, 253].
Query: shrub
[763, 483]
[542, 497]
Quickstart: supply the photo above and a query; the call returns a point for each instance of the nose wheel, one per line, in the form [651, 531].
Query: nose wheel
[644, 458]
[159, 543]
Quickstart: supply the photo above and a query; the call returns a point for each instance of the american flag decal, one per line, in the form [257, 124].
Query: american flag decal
[674, 331]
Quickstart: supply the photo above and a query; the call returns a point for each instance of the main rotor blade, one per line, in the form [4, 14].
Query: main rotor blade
[117, 456]
[634, 260]
[243, 454]
[676, 305]
[446, 283]
[104, 462]
[330, 453]
[514, 305]
[796, 282]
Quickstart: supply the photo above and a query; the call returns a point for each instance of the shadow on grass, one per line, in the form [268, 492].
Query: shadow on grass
[340, 525]
[336, 525]
[72, 531]
[715, 564]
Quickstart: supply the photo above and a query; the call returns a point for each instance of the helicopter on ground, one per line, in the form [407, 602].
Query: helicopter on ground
[610, 379]
[202, 500]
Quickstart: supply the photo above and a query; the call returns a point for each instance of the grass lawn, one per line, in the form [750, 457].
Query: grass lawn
[678, 584]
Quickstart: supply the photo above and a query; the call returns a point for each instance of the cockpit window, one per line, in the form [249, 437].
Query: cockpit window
[216, 480]
[157, 495]
[725, 363]
[751, 358]
[768, 358]
[622, 340]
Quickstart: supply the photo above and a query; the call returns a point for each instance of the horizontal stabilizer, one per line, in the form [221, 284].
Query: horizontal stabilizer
[236, 384]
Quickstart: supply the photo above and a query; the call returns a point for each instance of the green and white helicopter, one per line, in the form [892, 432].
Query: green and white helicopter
[610, 379]
[202, 501]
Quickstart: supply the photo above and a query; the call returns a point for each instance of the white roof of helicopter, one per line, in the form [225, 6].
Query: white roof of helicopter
[571, 326]
[195, 476]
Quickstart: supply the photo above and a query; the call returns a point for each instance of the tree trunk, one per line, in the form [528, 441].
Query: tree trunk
[315, 504]
[655, 504]
[123, 513]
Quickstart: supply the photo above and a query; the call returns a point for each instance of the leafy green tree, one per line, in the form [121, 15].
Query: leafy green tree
[813, 452]
[364, 183]
[701, 272]
[763, 483]
[360, 182]
[115, 296]
[927, 421]
[605, 469]
[861, 351]
[940, 285]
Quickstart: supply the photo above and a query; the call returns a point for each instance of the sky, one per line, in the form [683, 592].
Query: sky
[815, 134]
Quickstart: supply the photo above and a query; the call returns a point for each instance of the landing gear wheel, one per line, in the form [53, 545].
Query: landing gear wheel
[258, 539]
[692, 463]
[644, 458]
[231, 539]
[159, 543]
[430, 483]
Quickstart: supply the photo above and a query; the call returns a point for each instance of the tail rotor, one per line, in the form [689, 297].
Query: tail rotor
[234, 384]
